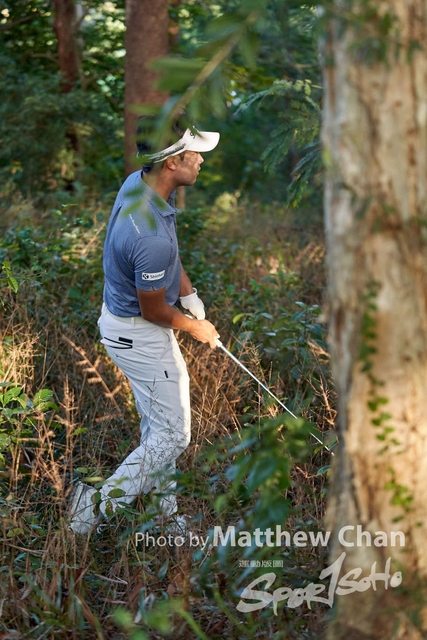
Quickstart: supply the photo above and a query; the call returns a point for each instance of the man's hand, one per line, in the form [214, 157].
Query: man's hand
[155, 309]
[204, 331]
[194, 305]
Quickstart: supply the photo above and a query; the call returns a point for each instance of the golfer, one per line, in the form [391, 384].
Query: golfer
[144, 278]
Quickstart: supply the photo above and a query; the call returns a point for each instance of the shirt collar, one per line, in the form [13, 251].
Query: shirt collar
[164, 208]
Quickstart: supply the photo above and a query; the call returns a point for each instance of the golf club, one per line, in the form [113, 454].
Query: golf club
[246, 370]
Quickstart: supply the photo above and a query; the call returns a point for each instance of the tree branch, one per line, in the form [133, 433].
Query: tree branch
[11, 25]
[213, 64]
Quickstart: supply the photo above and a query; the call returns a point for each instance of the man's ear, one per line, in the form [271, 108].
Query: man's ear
[171, 163]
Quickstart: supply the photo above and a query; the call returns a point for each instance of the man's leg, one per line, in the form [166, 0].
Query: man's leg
[151, 359]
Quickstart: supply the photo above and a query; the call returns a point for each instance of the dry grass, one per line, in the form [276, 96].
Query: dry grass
[58, 585]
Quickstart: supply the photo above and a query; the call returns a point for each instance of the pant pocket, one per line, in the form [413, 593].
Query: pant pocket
[147, 341]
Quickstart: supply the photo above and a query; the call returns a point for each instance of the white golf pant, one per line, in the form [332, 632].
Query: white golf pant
[150, 358]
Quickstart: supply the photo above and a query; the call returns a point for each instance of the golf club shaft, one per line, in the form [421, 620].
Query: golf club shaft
[246, 370]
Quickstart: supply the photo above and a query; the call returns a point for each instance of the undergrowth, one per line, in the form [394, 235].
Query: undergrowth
[66, 413]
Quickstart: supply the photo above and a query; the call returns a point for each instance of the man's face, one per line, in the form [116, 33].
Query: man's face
[188, 168]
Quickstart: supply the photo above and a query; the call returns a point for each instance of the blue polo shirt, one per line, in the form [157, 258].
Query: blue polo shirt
[141, 248]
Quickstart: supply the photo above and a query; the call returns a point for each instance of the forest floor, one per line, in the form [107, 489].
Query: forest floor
[66, 414]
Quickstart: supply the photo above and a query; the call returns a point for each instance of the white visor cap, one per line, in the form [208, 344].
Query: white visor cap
[199, 141]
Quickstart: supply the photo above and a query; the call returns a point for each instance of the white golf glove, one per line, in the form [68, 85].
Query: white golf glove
[194, 305]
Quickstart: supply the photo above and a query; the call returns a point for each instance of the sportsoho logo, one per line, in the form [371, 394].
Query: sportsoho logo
[349, 583]
[254, 599]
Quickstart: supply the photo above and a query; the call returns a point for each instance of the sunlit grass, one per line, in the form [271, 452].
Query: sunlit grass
[58, 585]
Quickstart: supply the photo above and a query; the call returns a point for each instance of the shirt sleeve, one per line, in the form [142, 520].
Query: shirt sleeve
[151, 261]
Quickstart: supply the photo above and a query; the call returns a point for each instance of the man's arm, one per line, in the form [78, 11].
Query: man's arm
[188, 297]
[155, 309]
[186, 288]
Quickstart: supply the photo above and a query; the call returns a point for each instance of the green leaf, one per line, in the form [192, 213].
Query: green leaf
[12, 533]
[42, 400]
[249, 49]
[224, 26]
[123, 618]
[23, 401]
[323, 470]
[4, 441]
[237, 471]
[79, 431]
[44, 395]
[13, 283]
[8, 414]
[178, 72]
[220, 503]
[74, 294]
[116, 493]
[374, 404]
[261, 472]
[382, 418]
[12, 394]
[109, 511]
[94, 479]
[238, 317]
[163, 570]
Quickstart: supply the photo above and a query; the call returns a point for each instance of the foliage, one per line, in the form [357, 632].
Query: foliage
[284, 131]
[36, 117]
[299, 128]
[47, 256]
[6, 275]
[226, 55]
[259, 272]
[377, 35]
[245, 478]
[19, 415]
[272, 311]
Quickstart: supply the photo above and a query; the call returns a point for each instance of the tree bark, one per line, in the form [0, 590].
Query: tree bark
[375, 142]
[146, 39]
[65, 23]
[65, 27]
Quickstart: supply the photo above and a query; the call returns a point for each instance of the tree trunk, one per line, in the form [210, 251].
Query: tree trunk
[375, 140]
[146, 39]
[65, 24]
[65, 27]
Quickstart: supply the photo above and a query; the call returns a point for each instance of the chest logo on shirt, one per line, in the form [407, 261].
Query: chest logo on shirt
[153, 276]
